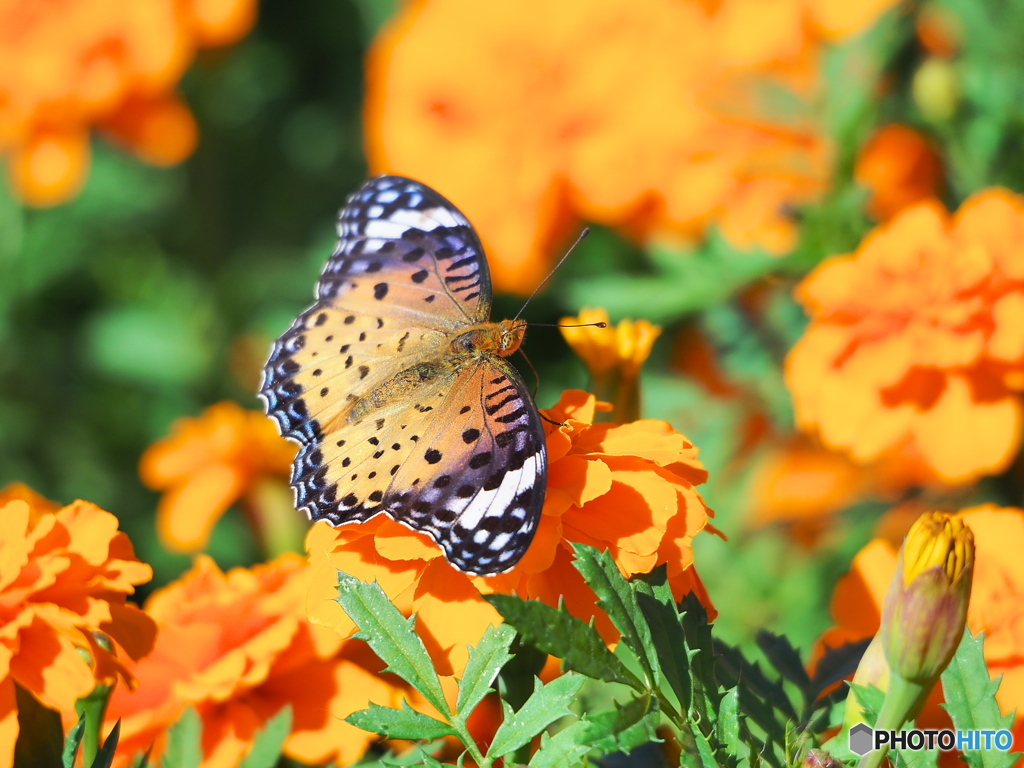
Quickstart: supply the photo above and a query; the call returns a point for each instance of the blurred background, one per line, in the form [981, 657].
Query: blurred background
[164, 220]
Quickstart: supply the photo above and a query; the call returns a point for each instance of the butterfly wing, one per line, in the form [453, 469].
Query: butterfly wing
[408, 270]
[407, 274]
[477, 485]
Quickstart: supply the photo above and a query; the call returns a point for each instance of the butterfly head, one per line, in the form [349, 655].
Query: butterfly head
[510, 336]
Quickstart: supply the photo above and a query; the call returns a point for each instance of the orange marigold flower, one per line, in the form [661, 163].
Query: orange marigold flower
[209, 463]
[916, 340]
[596, 471]
[65, 574]
[802, 485]
[995, 606]
[67, 67]
[238, 647]
[613, 354]
[900, 167]
[535, 114]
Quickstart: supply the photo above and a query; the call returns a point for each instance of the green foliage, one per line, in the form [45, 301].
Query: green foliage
[184, 742]
[40, 741]
[269, 742]
[971, 701]
[722, 709]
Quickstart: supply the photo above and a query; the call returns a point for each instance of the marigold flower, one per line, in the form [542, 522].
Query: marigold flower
[595, 472]
[802, 485]
[916, 341]
[995, 607]
[209, 463]
[238, 647]
[528, 131]
[65, 574]
[67, 67]
[613, 354]
[900, 167]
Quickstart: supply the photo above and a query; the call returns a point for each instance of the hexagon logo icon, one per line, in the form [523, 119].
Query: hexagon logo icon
[861, 739]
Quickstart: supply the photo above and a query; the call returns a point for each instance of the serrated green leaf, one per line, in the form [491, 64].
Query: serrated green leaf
[626, 727]
[616, 598]
[269, 742]
[705, 752]
[669, 643]
[727, 727]
[404, 723]
[105, 754]
[391, 636]
[785, 659]
[184, 742]
[484, 664]
[971, 700]
[557, 632]
[870, 699]
[72, 742]
[547, 704]
[567, 747]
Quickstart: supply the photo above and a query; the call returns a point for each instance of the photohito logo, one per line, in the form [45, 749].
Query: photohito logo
[864, 739]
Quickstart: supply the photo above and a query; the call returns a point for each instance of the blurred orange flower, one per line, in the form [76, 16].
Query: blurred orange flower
[65, 574]
[995, 606]
[238, 647]
[649, 116]
[613, 355]
[65, 67]
[901, 167]
[629, 489]
[802, 485]
[209, 463]
[916, 341]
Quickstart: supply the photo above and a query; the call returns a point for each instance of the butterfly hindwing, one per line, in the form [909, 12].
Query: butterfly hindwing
[388, 420]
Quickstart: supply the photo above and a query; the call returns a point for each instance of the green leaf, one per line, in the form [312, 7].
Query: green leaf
[727, 727]
[669, 641]
[269, 742]
[404, 723]
[485, 661]
[105, 754]
[392, 637]
[616, 598]
[971, 700]
[72, 742]
[555, 631]
[184, 742]
[626, 727]
[40, 740]
[547, 704]
[925, 758]
[567, 747]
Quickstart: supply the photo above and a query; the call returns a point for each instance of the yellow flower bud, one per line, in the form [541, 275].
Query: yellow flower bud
[926, 607]
[613, 354]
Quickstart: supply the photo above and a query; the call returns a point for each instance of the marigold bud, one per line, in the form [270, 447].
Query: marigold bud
[926, 607]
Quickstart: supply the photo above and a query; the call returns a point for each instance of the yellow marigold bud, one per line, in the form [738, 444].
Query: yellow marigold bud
[926, 607]
[613, 354]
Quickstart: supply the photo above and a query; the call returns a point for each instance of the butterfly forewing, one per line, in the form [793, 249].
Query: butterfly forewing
[364, 381]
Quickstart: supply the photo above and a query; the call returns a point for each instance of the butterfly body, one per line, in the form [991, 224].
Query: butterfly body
[396, 386]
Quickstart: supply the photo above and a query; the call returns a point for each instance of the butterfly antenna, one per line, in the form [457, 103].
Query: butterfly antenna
[584, 233]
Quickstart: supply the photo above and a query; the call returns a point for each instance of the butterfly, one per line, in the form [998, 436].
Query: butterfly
[395, 384]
